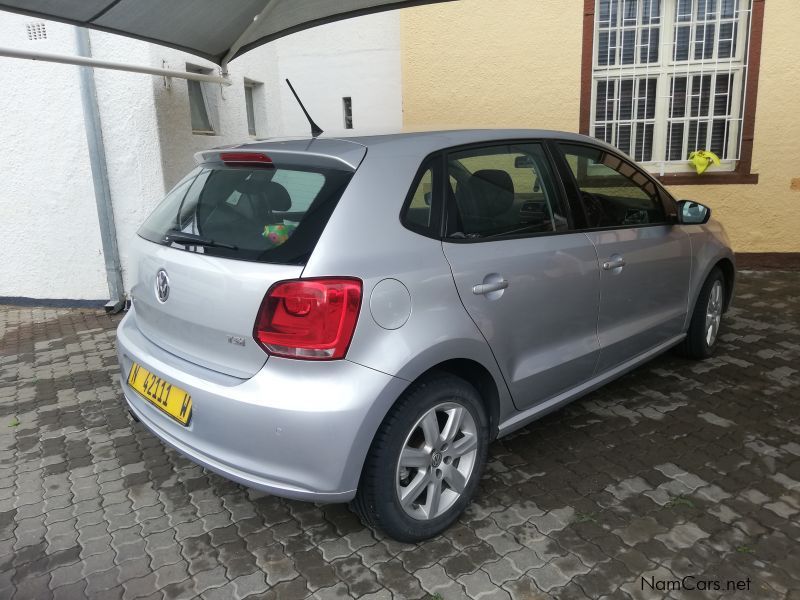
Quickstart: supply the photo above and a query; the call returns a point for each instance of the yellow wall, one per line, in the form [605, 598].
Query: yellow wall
[517, 63]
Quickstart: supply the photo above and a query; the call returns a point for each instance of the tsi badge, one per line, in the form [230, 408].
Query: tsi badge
[236, 340]
[162, 286]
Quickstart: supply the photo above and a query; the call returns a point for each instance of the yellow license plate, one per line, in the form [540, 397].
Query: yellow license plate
[174, 401]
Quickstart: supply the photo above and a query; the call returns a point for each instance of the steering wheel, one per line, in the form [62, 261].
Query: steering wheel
[593, 206]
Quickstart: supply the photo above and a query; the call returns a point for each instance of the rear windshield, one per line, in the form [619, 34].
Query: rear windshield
[270, 215]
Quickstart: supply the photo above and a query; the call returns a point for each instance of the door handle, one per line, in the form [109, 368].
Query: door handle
[485, 288]
[614, 262]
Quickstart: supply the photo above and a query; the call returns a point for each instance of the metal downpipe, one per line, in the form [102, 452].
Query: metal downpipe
[102, 190]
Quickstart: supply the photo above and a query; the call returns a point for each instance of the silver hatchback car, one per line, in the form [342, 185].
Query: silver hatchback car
[356, 319]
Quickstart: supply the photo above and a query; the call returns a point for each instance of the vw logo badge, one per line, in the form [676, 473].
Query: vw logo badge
[162, 286]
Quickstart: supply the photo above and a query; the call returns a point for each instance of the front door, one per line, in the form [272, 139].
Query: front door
[529, 282]
[645, 260]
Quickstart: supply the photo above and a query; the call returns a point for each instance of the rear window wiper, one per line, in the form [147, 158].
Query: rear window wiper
[191, 239]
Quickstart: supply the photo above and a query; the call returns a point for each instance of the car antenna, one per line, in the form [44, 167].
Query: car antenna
[315, 129]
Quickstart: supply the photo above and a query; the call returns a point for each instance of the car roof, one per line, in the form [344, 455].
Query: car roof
[418, 142]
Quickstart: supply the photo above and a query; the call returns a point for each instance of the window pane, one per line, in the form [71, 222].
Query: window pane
[603, 132]
[419, 209]
[728, 9]
[607, 48]
[629, 16]
[683, 11]
[504, 190]
[651, 11]
[649, 45]
[624, 138]
[608, 13]
[626, 99]
[643, 149]
[198, 108]
[270, 215]
[675, 141]
[251, 114]
[706, 10]
[678, 97]
[704, 42]
[719, 136]
[628, 53]
[701, 91]
[682, 35]
[646, 99]
[613, 193]
[604, 101]
[698, 131]
[722, 94]
[727, 40]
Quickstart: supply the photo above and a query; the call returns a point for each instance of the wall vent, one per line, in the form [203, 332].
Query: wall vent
[36, 31]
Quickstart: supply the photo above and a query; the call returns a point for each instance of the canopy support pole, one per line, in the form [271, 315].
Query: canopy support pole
[88, 61]
[240, 40]
[102, 190]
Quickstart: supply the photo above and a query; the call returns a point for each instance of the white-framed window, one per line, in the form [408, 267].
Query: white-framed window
[203, 101]
[249, 103]
[668, 78]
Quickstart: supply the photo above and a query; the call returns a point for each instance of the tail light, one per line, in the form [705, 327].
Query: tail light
[312, 319]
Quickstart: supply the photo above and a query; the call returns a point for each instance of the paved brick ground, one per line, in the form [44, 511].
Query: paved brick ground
[678, 469]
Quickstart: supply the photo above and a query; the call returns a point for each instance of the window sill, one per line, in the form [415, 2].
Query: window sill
[730, 177]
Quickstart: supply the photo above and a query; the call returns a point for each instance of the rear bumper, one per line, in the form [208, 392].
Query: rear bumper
[295, 429]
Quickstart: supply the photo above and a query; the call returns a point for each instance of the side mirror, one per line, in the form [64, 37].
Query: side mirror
[693, 213]
[428, 196]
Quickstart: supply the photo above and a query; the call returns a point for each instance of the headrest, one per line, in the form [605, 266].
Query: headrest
[277, 196]
[494, 189]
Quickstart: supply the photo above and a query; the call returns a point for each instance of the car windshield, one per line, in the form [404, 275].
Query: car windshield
[272, 215]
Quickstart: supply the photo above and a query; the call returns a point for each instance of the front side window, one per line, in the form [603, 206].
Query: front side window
[613, 192]
[668, 78]
[502, 191]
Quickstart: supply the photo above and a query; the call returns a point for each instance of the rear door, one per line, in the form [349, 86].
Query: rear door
[529, 281]
[257, 220]
[645, 260]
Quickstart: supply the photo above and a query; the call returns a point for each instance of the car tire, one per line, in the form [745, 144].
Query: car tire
[417, 498]
[701, 338]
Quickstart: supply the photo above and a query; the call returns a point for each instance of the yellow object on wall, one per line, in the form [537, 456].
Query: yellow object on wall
[517, 63]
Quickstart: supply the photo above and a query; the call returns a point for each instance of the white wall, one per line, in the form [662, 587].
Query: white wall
[359, 58]
[49, 235]
[49, 238]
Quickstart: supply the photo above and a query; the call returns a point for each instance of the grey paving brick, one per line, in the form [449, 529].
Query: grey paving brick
[679, 466]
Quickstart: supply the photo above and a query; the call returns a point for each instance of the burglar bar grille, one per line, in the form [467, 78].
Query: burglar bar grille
[669, 78]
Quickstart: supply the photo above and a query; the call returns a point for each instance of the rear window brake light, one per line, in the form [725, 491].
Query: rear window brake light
[246, 159]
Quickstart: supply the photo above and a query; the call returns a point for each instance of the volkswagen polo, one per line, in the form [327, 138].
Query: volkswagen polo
[356, 319]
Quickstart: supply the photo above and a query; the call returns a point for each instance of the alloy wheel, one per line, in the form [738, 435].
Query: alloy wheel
[436, 461]
[713, 313]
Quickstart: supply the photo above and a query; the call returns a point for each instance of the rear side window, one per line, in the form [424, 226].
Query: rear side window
[272, 215]
[422, 208]
[503, 191]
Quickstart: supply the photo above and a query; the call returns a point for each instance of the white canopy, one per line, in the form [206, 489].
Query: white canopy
[218, 30]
